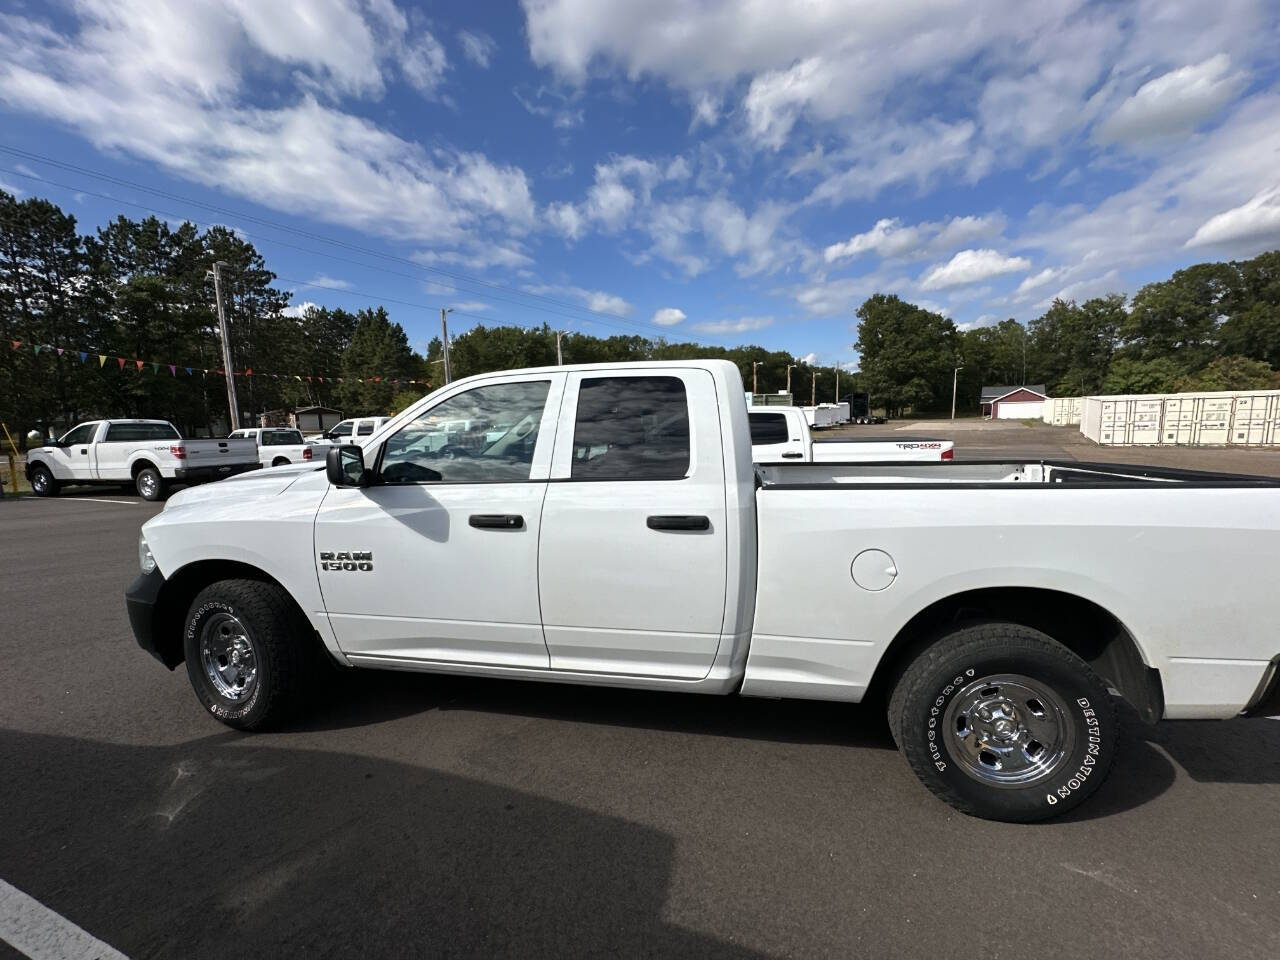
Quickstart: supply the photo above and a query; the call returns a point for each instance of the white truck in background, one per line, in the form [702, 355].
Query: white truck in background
[782, 434]
[353, 430]
[147, 455]
[604, 524]
[277, 446]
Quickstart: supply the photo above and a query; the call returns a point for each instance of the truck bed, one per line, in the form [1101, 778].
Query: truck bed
[987, 473]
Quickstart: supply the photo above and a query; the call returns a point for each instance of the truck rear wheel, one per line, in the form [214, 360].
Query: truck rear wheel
[248, 653]
[42, 482]
[1005, 723]
[150, 484]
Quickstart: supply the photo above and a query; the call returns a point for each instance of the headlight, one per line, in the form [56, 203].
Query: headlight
[145, 560]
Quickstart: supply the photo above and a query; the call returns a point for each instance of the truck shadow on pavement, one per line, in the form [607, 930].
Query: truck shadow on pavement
[369, 696]
[216, 847]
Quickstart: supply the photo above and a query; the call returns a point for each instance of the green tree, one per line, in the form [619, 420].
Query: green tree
[375, 365]
[1178, 318]
[907, 352]
[1129, 374]
[1230, 373]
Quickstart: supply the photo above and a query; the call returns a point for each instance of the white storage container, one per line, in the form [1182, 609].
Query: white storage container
[1212, 418]
[1062, 411]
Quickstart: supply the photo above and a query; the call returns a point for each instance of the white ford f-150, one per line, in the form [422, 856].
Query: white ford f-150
[606, 525]
[782, 433]
[278, 446]
[148, 455]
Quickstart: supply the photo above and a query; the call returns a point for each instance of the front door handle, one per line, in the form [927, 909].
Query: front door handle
[84, 451]
[679, 522]
[792, 456]
[497, 521]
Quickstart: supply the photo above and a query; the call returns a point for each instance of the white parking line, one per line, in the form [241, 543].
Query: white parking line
[33, 929]
[80, 500]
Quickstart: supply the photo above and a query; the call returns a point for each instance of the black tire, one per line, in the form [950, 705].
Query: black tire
[150, 484]
[279, 461]
[953, 728]
[281, 651]
[42, 482]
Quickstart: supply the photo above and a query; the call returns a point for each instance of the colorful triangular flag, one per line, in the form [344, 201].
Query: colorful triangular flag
[173, 370]
[60, 350]
[139, 363]
[120, 360]
[16, 343]
[102, 359]
[83, 356]
[36, 348]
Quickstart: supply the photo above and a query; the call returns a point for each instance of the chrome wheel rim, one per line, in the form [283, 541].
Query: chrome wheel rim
[39, 482]
[147, 484]
[228, 657]
[1008, 730]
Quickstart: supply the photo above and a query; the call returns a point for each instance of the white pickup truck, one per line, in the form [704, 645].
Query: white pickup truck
[354, 430]
[782, 433]
[277, 446]
[614, 531]
[147, 455]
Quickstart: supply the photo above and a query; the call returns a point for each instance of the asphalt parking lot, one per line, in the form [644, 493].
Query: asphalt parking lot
[429, 816]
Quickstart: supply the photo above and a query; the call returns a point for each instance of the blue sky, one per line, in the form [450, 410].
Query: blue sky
[726, 171]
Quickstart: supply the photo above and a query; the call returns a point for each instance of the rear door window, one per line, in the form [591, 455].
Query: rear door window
[631, 428]
[768, 428]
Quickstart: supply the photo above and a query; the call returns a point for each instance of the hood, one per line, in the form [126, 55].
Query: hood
[252, 485]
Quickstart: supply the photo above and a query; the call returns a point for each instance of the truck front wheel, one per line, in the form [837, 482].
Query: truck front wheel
[1005, 723]
[247, 652]
[42, 482]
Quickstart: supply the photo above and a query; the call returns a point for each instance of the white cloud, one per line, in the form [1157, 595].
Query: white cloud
[1174, 103]
[1256, 222]
[296, 310]
[332, 283]
[776, 98]
[423, 63]
[596, 300]
[970, 266]
[477, 46]
[558, 108]
[750, 238]
[741, 325]
[566, 219]
[172, 82]
[477, 256]
[809, 358]
[1038, 280]
[889, 238]
[669, 316]
[472, 306]
[1098, 286]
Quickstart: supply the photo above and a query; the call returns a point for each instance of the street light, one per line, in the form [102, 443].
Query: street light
[755, 383]
[444, 341]
[790, 367]
[955, 374]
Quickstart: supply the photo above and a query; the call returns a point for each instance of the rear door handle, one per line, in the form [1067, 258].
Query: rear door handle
[679, 522]
[792, 456]
[497, 521]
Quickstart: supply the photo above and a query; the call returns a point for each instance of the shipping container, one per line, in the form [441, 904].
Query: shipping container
[1062, 411]
[1213, 418]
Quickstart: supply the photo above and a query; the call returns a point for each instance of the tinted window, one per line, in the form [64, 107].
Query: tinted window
[365, 429]
[280, 438]
[631, 428]
[343, 429]
[485, 434]
[768, 428]
[124, 432]
[81, 434]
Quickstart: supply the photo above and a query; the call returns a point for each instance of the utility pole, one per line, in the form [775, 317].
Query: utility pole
[755, 380]
[813, 388]
[790, 367]
[232, 407]
[836, 396]
[1024, 356]
[559, 353]
[444, 342]
[955, 374]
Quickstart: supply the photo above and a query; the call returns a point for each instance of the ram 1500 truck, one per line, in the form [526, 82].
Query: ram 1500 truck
[782, 433]
[606, 525]
[147, 455]
[278, 446]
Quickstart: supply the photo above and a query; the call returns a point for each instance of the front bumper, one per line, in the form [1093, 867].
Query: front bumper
[141, 600]
[213, 472]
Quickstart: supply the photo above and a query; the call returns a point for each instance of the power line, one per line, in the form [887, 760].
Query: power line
[263, 221]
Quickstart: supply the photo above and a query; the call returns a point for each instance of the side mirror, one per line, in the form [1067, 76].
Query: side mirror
[344, 466]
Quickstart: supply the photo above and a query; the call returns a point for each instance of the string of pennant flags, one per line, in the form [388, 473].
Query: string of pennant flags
[124, 363]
